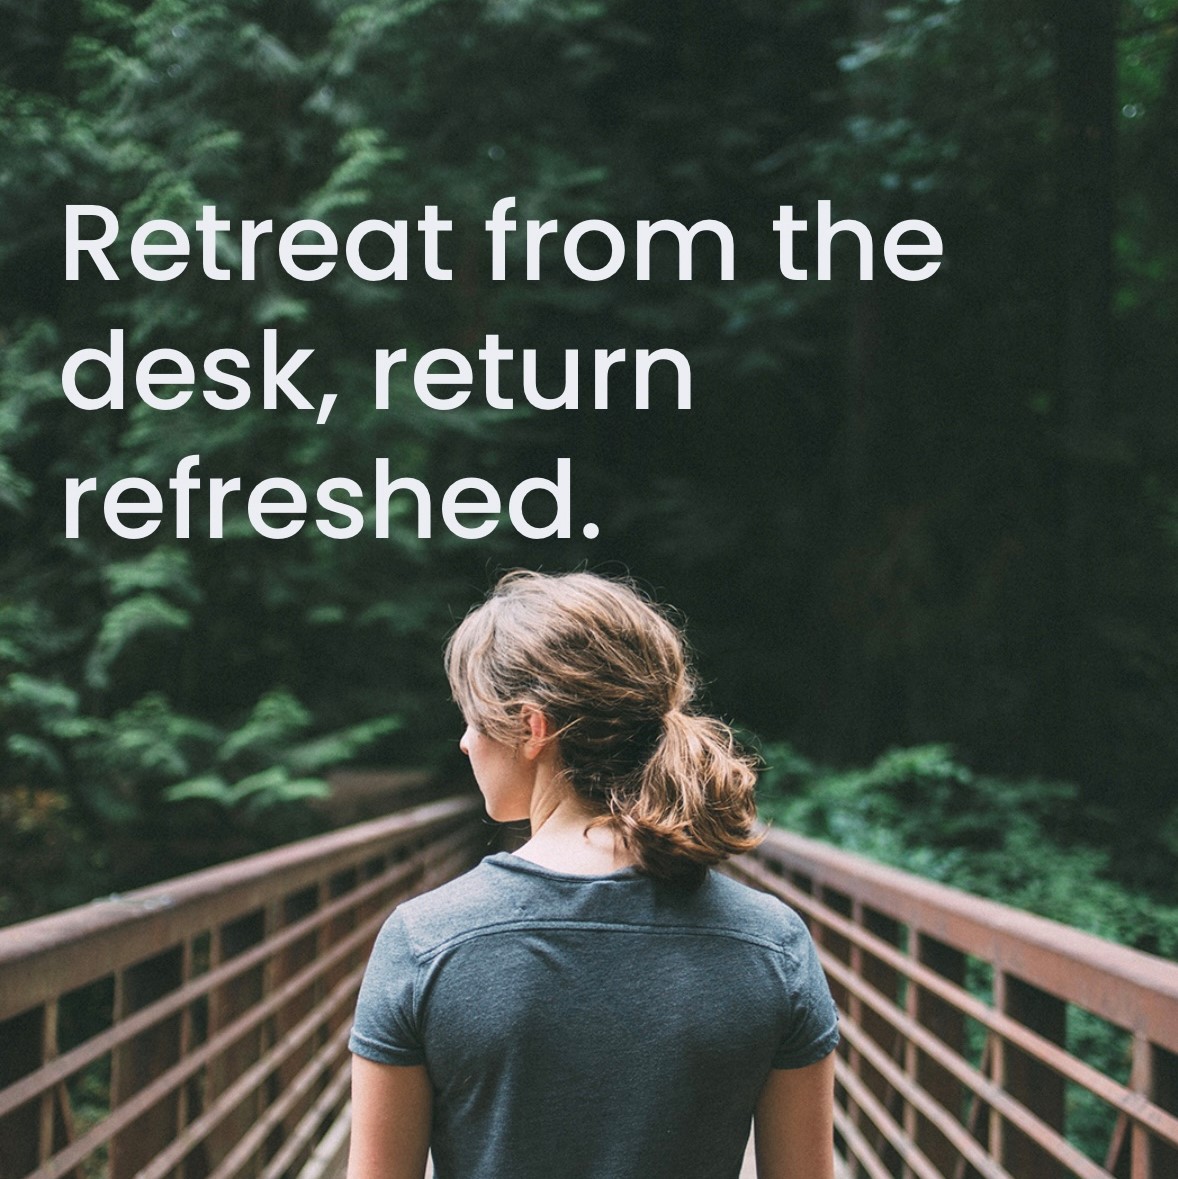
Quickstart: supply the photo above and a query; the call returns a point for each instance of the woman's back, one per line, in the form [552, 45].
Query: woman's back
[593, 1025]
[602, 1004]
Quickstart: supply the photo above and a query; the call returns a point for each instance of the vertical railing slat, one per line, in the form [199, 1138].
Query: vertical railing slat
[1036, 1086]
[912, 1010]
[886, 980]
[23, 1042]
[234, 999]
[948, 1025]
[143, 1058]
[47, 1119]
[1163, 1089]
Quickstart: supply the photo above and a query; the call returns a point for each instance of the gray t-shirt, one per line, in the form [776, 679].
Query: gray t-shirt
[592, 1027]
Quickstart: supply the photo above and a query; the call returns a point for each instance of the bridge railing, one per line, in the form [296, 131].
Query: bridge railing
[198, 1028]
[979, 1041]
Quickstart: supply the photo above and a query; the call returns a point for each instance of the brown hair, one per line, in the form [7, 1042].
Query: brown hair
[609, 672]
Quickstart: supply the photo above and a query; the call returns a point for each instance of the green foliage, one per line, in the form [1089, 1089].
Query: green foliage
[268, 760]
[176, 689]
[48, 863]
[1029, 843]
[864, 514]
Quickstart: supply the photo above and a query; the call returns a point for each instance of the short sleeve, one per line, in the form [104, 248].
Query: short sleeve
[812, 1024]
[385, 1028]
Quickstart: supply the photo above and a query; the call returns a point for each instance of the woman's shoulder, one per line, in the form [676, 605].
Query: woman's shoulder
[480, 897]
[753, 912]
[502, 892]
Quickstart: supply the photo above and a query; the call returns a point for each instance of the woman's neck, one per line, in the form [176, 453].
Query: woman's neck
[565, 839]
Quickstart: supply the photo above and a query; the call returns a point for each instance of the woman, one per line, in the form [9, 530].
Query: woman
[600, 1004]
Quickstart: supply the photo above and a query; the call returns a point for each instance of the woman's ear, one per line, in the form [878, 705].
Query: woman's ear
[537, 732]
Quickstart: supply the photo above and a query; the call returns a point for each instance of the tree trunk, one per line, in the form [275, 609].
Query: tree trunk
[1086, 93]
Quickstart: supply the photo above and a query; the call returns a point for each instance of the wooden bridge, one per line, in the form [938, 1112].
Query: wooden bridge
[197, 1029]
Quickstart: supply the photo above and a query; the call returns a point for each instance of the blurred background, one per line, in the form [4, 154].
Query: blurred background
[924, 536]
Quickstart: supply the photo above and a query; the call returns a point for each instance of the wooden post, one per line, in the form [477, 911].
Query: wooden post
[21, 1037]
[1163, 1159]
[225, 1004]
[338, 928]
[141, 1059]
[840, 947]
[1032, 1083]
[835, 943]
[282, 967]
[57, 1116]
[948, 1025]
[885, 979]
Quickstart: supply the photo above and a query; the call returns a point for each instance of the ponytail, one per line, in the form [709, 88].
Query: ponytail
[694, 804]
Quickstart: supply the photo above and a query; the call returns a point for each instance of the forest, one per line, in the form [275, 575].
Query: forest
[923, 534]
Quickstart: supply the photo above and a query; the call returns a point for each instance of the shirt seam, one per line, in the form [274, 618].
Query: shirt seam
[526, 867]
[519, 924]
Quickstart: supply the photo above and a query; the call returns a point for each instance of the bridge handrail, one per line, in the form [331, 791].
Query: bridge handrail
[959, 1015]
[201, 1023]
[199, 1026]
